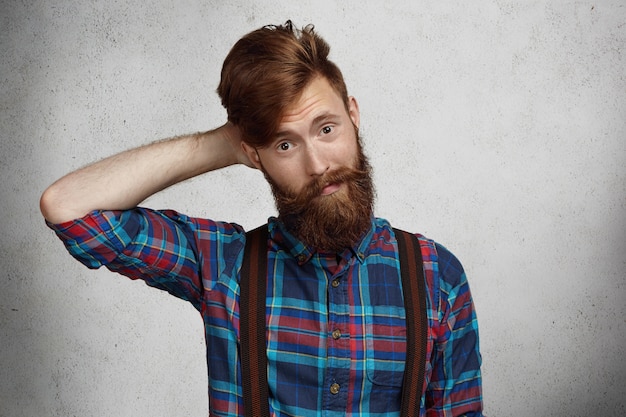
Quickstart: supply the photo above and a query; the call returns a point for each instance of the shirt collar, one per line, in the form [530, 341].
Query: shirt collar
[303, 253]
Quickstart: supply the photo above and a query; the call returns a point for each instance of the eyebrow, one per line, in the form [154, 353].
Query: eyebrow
[322, 118]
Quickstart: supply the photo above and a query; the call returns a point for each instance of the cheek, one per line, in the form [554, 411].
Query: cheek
[286, 176]
[345, 154]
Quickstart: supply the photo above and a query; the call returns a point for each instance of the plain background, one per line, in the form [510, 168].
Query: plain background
[495, 127]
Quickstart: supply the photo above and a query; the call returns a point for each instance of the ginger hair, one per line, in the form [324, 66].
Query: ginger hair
[266, 71]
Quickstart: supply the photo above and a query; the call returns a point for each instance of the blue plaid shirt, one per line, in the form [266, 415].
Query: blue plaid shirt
[333, 321]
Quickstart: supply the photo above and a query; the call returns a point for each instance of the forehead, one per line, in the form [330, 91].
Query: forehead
[317, 98]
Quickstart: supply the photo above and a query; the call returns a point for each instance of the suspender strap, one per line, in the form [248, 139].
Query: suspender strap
[252, 289]
[413, 287]
[253, 327]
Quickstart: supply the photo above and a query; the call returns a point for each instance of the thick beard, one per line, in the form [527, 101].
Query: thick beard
[333, 222]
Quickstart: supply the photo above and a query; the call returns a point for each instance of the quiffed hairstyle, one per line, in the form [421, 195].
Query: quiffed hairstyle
[266, 71]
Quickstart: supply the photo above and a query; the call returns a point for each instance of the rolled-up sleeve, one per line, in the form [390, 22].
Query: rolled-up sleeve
[167, 250]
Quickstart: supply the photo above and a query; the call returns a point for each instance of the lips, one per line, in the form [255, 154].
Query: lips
[330, 188]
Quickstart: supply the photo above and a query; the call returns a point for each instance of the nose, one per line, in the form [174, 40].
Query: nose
[316, 161]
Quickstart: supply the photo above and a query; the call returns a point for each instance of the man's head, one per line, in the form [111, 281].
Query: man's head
[300, 128]
[266, 71]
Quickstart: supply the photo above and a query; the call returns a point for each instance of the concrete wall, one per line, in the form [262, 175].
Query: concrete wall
[495, 127]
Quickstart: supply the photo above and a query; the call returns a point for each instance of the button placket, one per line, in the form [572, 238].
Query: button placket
[338, 341]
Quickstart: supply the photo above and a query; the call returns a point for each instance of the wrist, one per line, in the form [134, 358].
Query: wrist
[217, 148]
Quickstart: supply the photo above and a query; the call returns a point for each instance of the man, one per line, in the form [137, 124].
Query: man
[336, 338]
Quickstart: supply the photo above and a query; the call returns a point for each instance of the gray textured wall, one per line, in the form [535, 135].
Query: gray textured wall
[496, 127]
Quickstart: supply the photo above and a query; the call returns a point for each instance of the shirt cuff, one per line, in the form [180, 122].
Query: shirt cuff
[97, 238]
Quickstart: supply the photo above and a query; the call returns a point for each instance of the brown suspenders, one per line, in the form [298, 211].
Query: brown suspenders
[414, 289]
[253, 327]
[252, 324]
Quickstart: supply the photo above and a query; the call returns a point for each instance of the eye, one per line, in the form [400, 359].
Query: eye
[284, 146]
[327, 129]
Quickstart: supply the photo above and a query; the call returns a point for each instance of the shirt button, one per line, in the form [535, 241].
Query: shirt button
[336, 334]
[335, 283]
[334, 389]
[301, 258]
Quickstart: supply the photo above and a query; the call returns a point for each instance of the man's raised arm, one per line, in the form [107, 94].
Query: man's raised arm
[124, 180]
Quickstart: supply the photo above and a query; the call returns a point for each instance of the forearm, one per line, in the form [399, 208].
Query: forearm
[124, 180]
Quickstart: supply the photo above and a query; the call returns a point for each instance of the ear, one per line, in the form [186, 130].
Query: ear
[252, 154]
[353, 111]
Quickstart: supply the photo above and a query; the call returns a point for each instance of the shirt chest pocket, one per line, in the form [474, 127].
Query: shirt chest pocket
[385, 337]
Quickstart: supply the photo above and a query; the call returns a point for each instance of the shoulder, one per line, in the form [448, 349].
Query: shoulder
[437, 258]
[211, 239]
[207, 229]
[450, 268]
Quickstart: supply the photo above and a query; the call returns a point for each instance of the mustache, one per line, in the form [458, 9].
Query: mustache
[298, 202]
